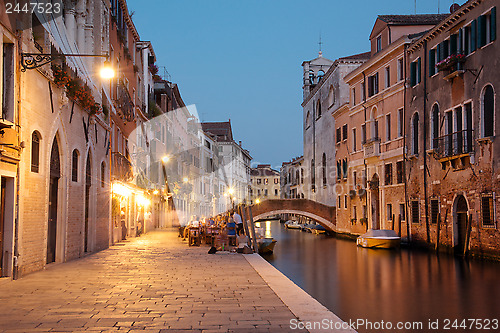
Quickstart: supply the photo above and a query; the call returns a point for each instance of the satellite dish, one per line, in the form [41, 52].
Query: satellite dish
[454, 7]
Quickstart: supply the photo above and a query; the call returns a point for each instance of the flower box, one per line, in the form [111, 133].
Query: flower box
[450, 62]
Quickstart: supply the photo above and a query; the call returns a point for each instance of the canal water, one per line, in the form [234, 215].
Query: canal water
[405, 286]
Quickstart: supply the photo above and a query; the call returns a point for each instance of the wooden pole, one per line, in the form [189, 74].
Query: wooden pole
[438, 231]
[244, 218]
[252, 230]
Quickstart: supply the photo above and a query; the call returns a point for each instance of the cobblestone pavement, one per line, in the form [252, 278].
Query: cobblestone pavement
[154, 283]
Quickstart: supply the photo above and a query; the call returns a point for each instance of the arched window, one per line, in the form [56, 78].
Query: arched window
[414, 134]
[435, 126]
[74, 165]
[321, 73]
[318, 108]
[308, 119]
[488, 106]
[323, 167]
[331, 96]
[35, 151]
[103, 173]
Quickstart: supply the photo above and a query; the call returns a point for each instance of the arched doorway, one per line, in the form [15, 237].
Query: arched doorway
[375, 201]
[460, 223]
[55, 174]
[88, 183]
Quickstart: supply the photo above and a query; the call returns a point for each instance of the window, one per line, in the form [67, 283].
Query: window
[354, 213]
[388, 127]
[414, 132]
[488, 110]
[339, 169]
[258, 192]
[487, 210]
[364, 211]
[435, 126]
[354, 148]
[308, 119]
[276, 192]
[339, 135]
[434, 211]
[331, 96]
[344, 168]
[388, 174]
[354, 177]
[344, 132]
[432, 62]
[353, 96]
[35, 152]
[402, 215]
[259, 181]
[345, 201]
[103, 174]
[8, 82]
[74, 166]
[379, 43]
[339, 201]
[415, 71]
[324, 169]
[400, 123]
[387, 77]
[399, 172]
[363, 133]
[401, 69]
[389, 212]
[277, 180]
[318, 109]
[415, 218]
[302, 176]
[265, 192]
[373, 85]
[266, 181]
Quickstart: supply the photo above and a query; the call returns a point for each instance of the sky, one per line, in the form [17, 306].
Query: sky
[241, 59]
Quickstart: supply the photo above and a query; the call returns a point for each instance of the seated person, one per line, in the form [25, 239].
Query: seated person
[242, 241]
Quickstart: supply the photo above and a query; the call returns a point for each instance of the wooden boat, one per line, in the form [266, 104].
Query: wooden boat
[292, 224]
[266, 245]
[318, 229]
[379, 239]
[308, 227]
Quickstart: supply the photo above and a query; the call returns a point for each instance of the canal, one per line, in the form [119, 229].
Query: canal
[389, 285]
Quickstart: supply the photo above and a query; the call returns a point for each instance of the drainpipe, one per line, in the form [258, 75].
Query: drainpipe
[408, 232]
[364, 159]
[425, 144]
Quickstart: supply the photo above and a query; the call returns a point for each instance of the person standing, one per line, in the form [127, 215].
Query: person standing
[239, 222]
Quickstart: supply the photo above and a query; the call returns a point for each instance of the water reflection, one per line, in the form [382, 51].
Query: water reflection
[385, 285]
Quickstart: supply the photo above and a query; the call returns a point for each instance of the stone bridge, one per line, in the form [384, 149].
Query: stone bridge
[324, 215]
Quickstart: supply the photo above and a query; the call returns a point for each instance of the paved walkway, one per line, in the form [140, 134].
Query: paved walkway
[154, 283]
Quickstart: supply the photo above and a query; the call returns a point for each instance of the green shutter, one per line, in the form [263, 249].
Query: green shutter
[493, 23]
[439, 54]
[461, 41]
[473, 35]
[413, 73]
[481, 31]
[453, 44]
[432, 61]
[446, 49]
[419, 70]
[467, 35]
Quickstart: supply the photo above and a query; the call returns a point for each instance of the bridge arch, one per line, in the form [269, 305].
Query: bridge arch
[323, 214]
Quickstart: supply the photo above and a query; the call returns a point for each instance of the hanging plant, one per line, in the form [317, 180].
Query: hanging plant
[153, 69]
[61, 77]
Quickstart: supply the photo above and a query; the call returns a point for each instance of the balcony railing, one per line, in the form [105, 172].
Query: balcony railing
[124, 102]
[372, 147]
[121, 167]
[454, 144]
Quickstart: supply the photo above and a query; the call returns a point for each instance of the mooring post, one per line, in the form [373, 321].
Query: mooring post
[244, 218]
[252, 230]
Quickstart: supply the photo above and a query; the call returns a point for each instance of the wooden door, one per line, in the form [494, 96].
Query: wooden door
[2, 215]
[52, 227]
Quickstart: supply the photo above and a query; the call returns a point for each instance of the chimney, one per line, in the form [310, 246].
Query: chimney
[240, 143]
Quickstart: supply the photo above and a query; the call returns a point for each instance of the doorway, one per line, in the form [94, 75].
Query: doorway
[461, 224]
[55, 174]
[2, 220]
[88, 183]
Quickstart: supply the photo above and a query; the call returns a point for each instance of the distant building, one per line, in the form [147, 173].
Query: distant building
[264, 183]
[234, 161]
[324, 91]
[292, 179]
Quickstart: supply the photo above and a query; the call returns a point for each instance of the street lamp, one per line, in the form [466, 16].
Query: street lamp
[165, 159]
[257, 201]
[35, 60]
[185, 179]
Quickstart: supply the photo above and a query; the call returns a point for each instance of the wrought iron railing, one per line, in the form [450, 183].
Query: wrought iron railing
[121, 167]
[124, 102]
[454, 144]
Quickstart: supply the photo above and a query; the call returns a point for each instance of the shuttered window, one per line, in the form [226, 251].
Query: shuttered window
[413, 74]
[432, 62]
[434, 210]
[481, 31]
[487, 210]
[473, 36]
[415, 218]
[35, 152]
[493, 24]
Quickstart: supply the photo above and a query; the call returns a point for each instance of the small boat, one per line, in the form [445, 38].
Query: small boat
[266, 245]
[292, 224]
[318, 229]
[379, 239]
[308, 227]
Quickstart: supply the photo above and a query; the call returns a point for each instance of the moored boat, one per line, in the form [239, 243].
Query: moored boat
[266, 245]
[292, 224]
[318, 229]
[379, 239]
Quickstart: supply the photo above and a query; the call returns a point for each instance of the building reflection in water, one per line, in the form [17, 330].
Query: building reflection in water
[385, 285]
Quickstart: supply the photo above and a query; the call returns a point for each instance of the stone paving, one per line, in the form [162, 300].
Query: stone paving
[154, 283]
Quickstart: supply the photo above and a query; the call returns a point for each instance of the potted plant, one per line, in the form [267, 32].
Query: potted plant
[450, 61]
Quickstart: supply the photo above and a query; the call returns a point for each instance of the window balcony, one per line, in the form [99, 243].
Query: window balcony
[453, 145]
[371, 148]
[124, 102]
[121, 167]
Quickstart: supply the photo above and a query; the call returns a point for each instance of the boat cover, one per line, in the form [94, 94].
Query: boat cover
[388, 234]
